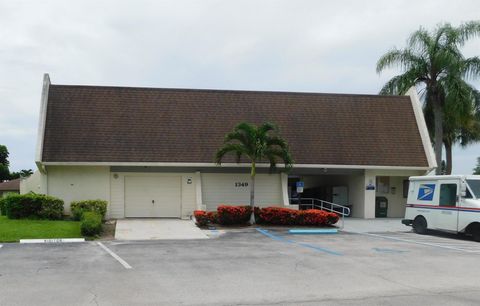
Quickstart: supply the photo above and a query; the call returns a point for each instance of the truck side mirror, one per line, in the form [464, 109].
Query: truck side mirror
[463, 194]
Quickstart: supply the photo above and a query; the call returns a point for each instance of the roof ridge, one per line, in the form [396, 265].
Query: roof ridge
[307, 93]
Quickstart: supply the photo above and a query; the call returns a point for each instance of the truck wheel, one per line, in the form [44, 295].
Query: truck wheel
[420, 225]
[476, 232]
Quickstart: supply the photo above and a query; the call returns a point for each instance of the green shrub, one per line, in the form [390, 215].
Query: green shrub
[51, 208]
[79, 207]
[22, 206]
[91, 223]
[3, 211]
[31, 205]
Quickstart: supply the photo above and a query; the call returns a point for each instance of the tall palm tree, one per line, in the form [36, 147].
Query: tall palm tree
[461, 118]
[432, 61]
[258, 144]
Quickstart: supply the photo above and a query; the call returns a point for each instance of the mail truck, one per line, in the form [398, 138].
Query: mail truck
[447, 203]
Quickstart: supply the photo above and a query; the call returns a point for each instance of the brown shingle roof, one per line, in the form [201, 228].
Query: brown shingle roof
[119, 124]
[13, 185]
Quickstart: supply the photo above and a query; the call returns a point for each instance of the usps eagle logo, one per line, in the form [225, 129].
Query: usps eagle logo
[425, 192]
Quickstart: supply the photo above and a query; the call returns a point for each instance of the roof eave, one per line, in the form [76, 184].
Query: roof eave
[234, 165]
[41, 122]
[422, 128]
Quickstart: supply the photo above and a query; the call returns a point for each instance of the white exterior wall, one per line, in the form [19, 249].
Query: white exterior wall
[396, 202]
[37, 183]
[356, 194]
[117, 192]
[75, 183]
[219, 188]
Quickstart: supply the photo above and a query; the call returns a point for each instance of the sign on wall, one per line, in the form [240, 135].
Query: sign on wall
[300, 186]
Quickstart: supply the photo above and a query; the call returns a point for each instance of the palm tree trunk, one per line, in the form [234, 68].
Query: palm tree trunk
[438, 125]
[252, 194]
[448, 152]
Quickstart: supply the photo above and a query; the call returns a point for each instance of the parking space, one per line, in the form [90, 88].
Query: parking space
[435, 239]
[242, 267]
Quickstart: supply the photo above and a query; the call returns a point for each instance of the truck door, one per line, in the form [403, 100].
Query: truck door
[447, 214]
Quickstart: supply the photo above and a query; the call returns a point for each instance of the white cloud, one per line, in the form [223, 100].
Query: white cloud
[260, 45]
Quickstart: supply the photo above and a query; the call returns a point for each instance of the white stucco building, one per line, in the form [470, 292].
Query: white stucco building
[149, 151]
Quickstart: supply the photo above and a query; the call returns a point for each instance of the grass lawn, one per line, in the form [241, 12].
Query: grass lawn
[14, 230]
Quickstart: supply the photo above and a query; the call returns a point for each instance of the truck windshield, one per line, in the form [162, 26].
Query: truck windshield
[475, 187]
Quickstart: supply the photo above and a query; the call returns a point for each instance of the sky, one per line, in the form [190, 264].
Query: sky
[313, 46]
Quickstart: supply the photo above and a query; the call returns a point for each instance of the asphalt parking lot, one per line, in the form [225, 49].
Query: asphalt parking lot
[246, 267]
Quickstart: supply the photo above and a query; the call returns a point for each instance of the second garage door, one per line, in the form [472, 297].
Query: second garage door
[153, 197]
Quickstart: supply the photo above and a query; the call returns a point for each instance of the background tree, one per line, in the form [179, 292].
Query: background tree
[5, 174]
[257, 144]
[4, 171]
[433, 62]
[21, 173]
[476, 170]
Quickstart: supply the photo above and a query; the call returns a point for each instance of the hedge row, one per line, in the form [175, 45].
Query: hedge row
[78, 208]
[287, 216]
[229, 215]
[3, 210]
[31, 205]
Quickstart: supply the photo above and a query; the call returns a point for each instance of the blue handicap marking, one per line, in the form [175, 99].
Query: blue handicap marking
[305, 245]
[381, 250]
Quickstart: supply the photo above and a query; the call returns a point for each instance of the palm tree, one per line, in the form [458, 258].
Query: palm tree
[461, 118]
[433, 61]
[258, 144]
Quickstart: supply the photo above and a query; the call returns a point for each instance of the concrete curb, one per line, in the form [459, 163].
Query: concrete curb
[54, 240]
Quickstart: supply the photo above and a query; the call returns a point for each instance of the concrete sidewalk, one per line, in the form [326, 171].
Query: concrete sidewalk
[379, 225]
[149, 229]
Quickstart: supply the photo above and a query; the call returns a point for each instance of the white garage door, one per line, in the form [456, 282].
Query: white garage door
[234, 189]
[153, 196]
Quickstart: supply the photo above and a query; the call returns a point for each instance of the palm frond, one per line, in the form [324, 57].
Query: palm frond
[420, 40]
[405, 59]
[283, 154]
[467, 31]
[277, 141]
[235, 148]
[471, 67]
[266, 127]
[400, 84]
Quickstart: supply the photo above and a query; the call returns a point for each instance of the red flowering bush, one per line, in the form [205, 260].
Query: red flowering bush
[287, 216]
[204, 218]
[201, 217]
[276, 216]
[332, 218]
[212, 216]
[235, 215]
[228, 215]
[312, 217]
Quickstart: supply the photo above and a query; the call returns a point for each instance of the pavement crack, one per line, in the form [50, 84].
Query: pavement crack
[40, 269]
[95, 296]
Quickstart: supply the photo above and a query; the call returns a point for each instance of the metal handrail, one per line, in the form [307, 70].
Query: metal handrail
[345, 211]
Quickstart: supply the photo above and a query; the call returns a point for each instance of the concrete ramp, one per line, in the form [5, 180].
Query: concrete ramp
[151, 229]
